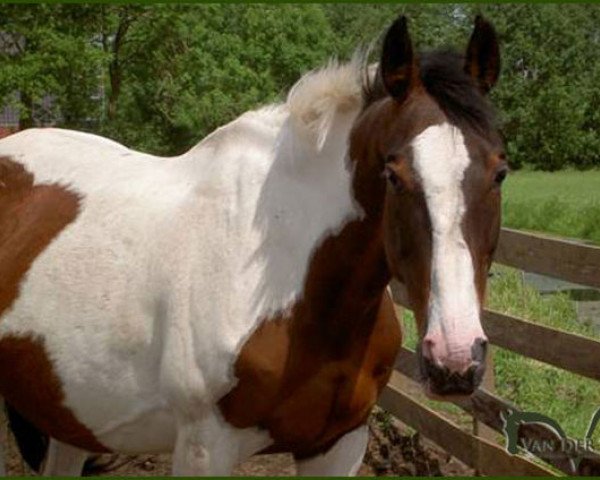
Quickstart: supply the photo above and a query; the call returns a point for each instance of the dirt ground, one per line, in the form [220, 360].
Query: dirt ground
[392, 451]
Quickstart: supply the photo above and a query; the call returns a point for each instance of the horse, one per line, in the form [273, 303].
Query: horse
[233, 299]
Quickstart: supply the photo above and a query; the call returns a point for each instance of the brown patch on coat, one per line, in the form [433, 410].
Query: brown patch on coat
[28, 383]
[31, 216]
[314, 375]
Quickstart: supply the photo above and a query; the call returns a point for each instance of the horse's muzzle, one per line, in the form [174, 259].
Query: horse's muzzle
[441, 382]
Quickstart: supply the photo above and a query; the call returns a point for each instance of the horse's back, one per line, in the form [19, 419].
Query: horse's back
[82, 161]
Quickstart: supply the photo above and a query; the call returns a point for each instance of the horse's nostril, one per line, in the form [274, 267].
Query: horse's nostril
[443, 382]
[427, 348]
[478, 350]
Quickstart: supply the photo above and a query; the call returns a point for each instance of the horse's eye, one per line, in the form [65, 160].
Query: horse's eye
[501, 175]
[392, 178]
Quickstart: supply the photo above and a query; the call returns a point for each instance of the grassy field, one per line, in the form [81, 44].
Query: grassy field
[566, 204]
[563, 203]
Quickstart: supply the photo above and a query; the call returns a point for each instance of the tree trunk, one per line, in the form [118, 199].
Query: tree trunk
[115, 67]
[114, 71]
[26, 114]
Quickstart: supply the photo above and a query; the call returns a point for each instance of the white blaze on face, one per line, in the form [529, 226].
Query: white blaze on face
[441, 159]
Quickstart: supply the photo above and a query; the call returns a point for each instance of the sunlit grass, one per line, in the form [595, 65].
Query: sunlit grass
[564, 203]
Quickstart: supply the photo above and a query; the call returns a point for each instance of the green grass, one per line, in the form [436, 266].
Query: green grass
[564, 203]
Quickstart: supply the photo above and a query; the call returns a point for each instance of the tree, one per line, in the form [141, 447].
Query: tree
[203, 65]
[47, 59]
[548, 94]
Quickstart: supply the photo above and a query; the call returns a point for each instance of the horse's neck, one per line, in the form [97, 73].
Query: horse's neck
[348, 275]
[349, 265]
[307, 235]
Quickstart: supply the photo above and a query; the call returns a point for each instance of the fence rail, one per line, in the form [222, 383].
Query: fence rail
[565, 259]
[536, 253]
[486, 456]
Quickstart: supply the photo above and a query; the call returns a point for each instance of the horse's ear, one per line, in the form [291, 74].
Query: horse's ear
[397, 65]
[483, 55]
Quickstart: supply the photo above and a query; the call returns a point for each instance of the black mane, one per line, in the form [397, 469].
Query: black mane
[443, 76]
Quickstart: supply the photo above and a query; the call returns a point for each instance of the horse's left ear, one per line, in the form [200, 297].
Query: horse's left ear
[483, 55]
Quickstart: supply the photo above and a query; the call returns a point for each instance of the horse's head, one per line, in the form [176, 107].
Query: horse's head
[427, 129]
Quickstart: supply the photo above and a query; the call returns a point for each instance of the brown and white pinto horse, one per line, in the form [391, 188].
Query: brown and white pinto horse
[233, 300]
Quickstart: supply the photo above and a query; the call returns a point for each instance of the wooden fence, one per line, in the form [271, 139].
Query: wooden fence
[563, 259]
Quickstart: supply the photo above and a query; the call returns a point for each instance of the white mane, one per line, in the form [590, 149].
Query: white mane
[319, 95]
[321, 100]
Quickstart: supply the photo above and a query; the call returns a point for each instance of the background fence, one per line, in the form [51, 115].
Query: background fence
[567, 260]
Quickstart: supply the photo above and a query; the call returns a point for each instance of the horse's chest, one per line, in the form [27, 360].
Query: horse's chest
[307, 391]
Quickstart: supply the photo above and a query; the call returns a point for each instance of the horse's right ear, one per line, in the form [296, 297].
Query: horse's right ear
[397, 65]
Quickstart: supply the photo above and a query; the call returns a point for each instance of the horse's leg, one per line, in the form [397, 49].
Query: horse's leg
[32, 444]
[210, 446]
[190, 457]
[343, 459]
[63, 460]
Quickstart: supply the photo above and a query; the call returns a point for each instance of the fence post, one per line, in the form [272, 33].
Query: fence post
[480, 429]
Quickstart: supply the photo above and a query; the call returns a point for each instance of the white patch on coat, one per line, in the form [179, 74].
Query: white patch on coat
[144, 301]
[440, 159]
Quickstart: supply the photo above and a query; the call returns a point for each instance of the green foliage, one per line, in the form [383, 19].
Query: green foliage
[216, 62]
[159, 77]
[549, 94]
